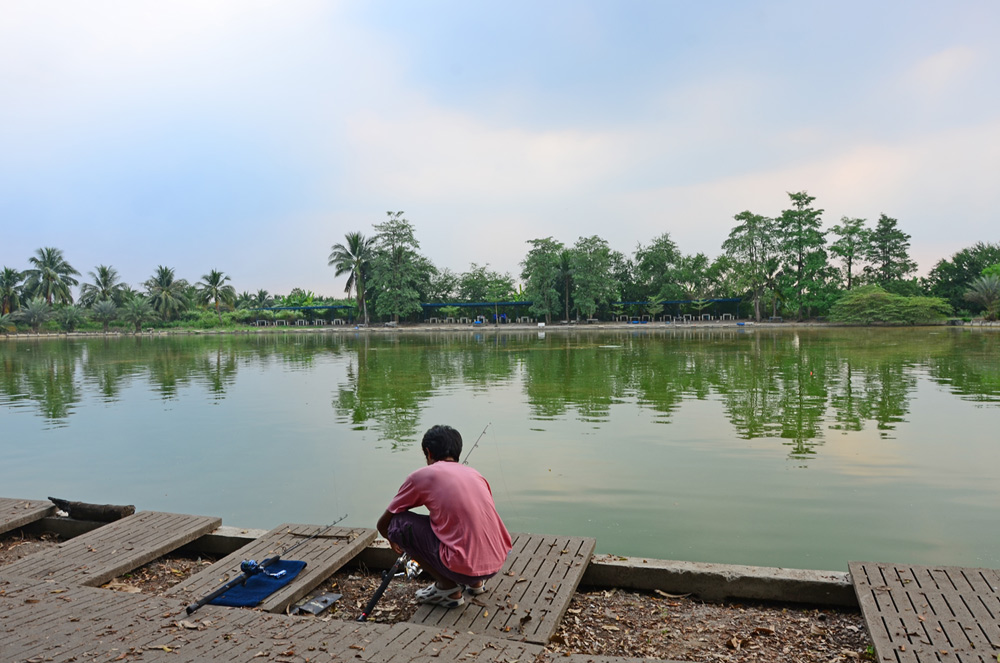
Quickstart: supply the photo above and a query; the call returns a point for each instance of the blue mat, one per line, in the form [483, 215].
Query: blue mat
[259, 586]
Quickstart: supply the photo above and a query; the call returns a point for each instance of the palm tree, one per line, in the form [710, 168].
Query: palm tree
[70, 317]
[106, 286]
[167, 295]
[51, 276]
[353, 259]
[244, 300]
[263, 299]
[985, 291]
[34, 313]
[10, 290]
[137, 310]
[213, 288]
[105, 312]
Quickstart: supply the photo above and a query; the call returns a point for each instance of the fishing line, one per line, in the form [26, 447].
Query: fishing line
[503, 478]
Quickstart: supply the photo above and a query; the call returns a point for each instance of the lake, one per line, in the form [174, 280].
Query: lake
[803, 447]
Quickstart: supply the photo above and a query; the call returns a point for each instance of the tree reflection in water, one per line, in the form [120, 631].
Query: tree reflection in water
[794, 385]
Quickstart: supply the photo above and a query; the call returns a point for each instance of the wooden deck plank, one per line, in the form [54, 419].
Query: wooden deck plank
[323, 556]
[37, 621]
[114, 625]
[98, 556]
[920, 613]
[18, 513]
[527, 598]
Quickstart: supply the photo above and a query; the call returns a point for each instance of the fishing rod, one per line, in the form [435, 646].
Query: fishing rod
[250, 568]
[466, 461]
[403, 561]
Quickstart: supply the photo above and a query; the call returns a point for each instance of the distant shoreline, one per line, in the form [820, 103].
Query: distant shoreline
[381, 328]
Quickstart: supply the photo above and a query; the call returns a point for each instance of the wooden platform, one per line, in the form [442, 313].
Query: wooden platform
[98, 556]
[323, 555]
[930, 613]
[529, 596]
[48, 621]
[18, 513]
[43, 621]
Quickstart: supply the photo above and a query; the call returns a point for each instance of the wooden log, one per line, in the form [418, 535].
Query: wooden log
[104, 513]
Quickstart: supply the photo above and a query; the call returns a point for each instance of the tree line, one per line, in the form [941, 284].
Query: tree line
[782, 266]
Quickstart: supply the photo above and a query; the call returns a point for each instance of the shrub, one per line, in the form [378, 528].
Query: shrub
[872, 305]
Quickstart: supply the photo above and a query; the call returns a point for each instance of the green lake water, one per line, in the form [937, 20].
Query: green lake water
[799, 448]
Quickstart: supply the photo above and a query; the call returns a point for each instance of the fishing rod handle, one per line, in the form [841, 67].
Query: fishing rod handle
[387, 577]
[239, 580]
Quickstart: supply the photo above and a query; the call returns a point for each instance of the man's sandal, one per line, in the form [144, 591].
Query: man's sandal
[434, 595]
[476, 591]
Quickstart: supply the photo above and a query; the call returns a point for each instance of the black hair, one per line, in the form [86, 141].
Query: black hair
[441, 442]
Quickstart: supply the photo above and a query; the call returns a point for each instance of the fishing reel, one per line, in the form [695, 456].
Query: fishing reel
[250, 567]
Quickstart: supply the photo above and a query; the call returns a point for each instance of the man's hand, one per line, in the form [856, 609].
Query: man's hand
[396, 549]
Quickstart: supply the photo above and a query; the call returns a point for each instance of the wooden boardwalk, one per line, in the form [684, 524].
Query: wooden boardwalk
[42, 621]
[529, 596]
[52, 610]
[927, 613]
[18, 513]
[98, 556]
[323, 555]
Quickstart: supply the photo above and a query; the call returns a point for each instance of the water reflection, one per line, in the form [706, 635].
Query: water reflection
[795, 386]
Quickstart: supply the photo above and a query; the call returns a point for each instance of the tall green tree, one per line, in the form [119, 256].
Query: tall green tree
[262, 299]
[10, 290]
[106, 286]
[481, 284]
[168, 295]
[802, 241]
[888, 251]
[540, 273]
[397, 270]
[215, 289]
[655, 269]
[691, 277]
[623, 276]
[851, 246]
[590, 260]
[353, 259]
[952, 278]
[443, 286]
[50, 276]
[567, 269]
[752, 245]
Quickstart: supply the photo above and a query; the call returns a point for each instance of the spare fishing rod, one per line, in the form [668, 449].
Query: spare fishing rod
[403, 561]
[250, 568]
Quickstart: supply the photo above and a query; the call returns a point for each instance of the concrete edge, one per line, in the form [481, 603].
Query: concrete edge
[708, 582]
[722, 582]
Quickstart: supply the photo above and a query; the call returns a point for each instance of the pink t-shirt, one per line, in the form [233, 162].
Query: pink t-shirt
[474, 541]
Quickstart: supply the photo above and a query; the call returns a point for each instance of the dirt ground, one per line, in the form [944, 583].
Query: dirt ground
[598, 621]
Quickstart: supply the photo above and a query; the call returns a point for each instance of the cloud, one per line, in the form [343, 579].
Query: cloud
[939, 73]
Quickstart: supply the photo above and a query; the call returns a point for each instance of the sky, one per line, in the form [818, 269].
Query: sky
[250, 136]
